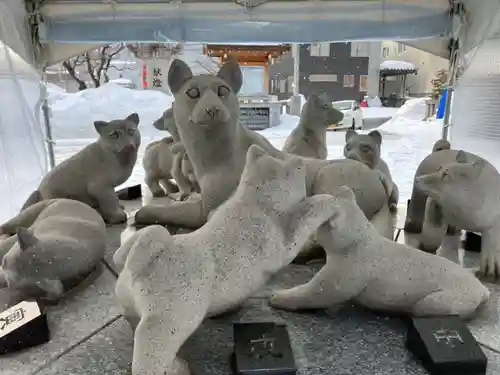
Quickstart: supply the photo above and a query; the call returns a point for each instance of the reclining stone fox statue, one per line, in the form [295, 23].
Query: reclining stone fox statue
[169, 284]
[366, 149]
[91, 175]
[366, 268]
[206, 112]
[308, 139]
[468, 196]
[51, 242]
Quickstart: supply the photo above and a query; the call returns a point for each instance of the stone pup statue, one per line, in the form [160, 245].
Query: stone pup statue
[468, 195]
[366, 149]
[368, 269]
[169, 284]
[206, 112]
[52, 241]
[308, 139]
[91, 175]
[432, 163]
[158, 162]
[161, 163]
[183, 173]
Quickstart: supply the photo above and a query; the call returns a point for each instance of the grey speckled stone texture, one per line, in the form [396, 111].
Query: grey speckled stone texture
[70, 322]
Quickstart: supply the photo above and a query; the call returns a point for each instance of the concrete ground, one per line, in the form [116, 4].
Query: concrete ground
[89, 336]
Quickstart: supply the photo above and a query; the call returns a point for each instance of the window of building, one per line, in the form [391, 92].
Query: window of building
[282, 85]
[323, 78]
[271, 86]
[289, 84]
[401, 47]
[349, 80]
[385, 52]
[320, 49]
[360, 49]
[363, 83]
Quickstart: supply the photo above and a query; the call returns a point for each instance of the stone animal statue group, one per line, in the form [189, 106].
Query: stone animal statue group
[257, 209]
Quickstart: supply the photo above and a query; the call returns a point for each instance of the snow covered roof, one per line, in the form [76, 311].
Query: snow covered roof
[396, 65]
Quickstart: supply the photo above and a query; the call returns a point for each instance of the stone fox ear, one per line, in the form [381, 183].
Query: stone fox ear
[254, 152]
[345, 192]
[231, 73]
[26, 238]
[461, 157]
[100, 126]
[178, 74]
[349, 133]
[376, 136]
[134, 118]
[478, 166]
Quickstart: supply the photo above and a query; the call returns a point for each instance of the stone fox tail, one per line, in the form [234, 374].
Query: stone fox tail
[34, 197]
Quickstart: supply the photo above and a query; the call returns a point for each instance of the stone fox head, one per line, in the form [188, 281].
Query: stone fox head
[318, 112]
[119, 135]
[277, 183]
[24, 267]
[462, 188]
[363, 147]
[347, 225]
[205, 102]
[167, 123]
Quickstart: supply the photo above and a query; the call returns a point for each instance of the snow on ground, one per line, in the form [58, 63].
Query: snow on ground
[406, 138]
[378, 112]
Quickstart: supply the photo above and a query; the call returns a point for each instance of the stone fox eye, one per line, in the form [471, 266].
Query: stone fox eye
[193, 93]
[365, 149]
[131, 131]
[114, 135]
[223, 91]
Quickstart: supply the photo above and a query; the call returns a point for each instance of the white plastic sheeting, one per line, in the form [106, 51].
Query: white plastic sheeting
[476, 104]
[23, 159]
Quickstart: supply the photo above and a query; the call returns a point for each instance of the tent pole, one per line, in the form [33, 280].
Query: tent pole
[452, 71]
[48, 128]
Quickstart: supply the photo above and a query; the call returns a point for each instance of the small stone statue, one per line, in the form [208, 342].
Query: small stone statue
[92, 174]
[468, 195]
[169, 284]
[51, 242]
[308, 139]
[366, 149]
[380, 274]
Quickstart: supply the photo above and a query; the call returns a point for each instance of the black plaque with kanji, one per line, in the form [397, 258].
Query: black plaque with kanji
[22, 326]
[445, 346]
[262, 348]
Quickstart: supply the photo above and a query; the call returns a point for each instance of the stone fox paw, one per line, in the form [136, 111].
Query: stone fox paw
[490, 266]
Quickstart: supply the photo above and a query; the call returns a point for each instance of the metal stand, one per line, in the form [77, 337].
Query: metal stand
[48, 128]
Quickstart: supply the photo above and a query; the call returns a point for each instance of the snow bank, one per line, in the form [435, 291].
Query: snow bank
[73, 115]
[55, 93]
[408, 121]
[378, 112]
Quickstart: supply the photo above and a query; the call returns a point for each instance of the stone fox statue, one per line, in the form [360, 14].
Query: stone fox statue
[158, 162]
[438, 159]
[206, 112]
[52, 241]
[308, 139]
[91, 175]
[380, 274]
[467, 192]
[169, 284]
[166, 159]
[366, 149]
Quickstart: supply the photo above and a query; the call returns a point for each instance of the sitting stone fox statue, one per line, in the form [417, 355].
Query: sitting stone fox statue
[380, 274]
[51, 241]
[308, 139]
[157, 162]
[161, 163]
[206, 112]
[169, 284]
[366, 149]
[468, 195]
[91, 175]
